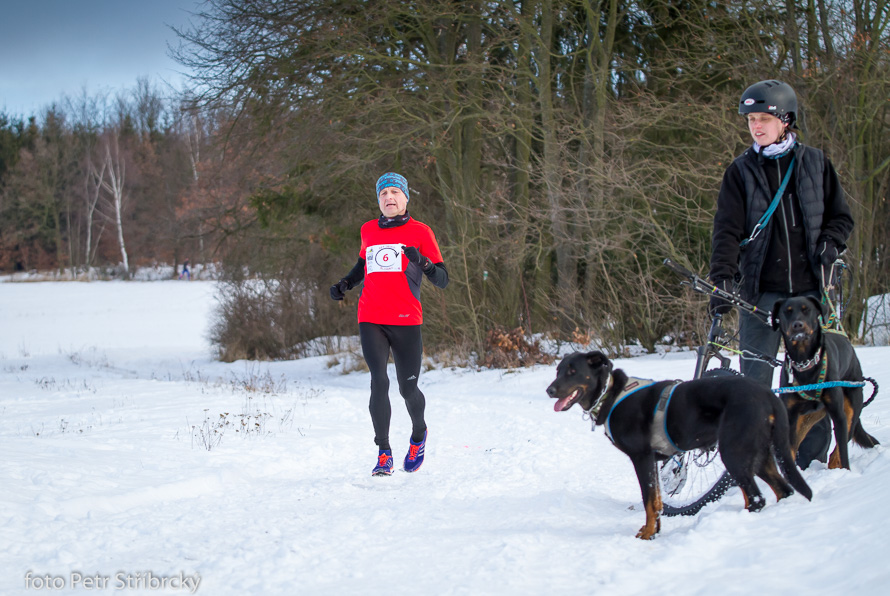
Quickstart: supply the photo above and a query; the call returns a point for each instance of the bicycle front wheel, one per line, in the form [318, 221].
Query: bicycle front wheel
[691, 480]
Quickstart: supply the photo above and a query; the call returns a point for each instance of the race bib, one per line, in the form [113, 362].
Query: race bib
[382, 258]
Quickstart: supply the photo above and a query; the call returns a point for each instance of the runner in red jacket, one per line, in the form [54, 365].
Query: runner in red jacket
[396, 253]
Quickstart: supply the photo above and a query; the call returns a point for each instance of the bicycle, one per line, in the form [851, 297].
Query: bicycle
[693, 479]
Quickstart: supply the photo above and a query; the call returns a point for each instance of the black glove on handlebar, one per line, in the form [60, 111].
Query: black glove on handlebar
[717, 305]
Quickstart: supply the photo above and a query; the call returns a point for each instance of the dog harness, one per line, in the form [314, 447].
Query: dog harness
[661, 440]
[633, 385]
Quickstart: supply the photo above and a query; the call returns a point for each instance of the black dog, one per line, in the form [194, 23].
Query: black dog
[651, 421]
[814, 356]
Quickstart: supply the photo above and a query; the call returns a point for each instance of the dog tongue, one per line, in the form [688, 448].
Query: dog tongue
[562, 403]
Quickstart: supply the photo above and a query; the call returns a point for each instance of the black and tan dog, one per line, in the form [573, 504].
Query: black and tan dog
[650, 421]
[815, 356]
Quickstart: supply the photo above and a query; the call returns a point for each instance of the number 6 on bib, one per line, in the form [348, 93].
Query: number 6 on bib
[384, 258]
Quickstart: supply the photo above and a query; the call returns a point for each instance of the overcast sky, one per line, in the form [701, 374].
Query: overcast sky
[50, 48]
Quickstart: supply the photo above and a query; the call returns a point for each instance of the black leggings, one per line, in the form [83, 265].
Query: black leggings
[406, 344]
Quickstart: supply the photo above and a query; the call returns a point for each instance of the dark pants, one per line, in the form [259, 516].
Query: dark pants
[406, 344]
[760, 338]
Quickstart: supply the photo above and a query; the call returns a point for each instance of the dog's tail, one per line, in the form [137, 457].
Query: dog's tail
[862, 438]
[782, 449]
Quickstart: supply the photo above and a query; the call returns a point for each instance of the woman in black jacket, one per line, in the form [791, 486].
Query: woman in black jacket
[781, 221]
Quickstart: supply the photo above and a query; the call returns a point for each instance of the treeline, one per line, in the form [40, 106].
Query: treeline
[560, 150]
[102, 183]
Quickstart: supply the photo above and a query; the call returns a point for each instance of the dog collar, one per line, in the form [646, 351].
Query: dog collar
[594, 410]
[823, 372]
[806, 364]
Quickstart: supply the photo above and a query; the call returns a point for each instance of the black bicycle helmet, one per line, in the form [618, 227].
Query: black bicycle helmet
[773, 97]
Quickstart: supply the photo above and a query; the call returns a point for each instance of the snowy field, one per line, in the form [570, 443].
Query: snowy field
[122, 468]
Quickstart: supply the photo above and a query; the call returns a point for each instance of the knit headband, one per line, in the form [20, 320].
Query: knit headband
[393, 179]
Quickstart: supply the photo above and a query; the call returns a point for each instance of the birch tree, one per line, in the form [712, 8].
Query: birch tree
[113, 183]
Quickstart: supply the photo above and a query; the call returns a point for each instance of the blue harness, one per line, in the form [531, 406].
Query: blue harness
[661, 441]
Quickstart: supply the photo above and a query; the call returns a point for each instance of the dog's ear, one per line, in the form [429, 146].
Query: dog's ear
[774, 315]
[598, 360]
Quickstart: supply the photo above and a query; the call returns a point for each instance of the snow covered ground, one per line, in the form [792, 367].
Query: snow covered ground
[109, 400]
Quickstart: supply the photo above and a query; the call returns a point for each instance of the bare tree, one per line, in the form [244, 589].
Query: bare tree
[93, 183]
[113, 183]
[87, 115]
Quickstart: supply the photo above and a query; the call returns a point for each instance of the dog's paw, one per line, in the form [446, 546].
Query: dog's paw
[756, 503]
[647, 532]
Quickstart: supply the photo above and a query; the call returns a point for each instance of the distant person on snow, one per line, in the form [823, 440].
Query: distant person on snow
[788, 253]
[185, 271]
[396, 253]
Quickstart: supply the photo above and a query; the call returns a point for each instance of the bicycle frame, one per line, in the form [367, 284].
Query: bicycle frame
[710, 350]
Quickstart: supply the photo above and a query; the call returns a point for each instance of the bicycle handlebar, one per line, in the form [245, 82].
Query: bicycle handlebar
[704, 287]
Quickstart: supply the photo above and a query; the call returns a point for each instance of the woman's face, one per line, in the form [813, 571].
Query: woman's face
[392, 201]
[765, 128]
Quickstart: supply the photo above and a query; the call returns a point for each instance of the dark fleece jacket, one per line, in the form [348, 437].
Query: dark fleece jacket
[783, 257]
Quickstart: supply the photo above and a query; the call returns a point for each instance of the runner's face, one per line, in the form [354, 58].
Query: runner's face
[392, 201]
[765, 128]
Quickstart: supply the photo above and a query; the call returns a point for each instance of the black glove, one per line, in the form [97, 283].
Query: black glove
[826, 251]
[413, 255]
[717, 305]
[338, 290]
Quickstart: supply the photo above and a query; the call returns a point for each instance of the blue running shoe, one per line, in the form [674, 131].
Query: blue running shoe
[384, 464]
[415, 454]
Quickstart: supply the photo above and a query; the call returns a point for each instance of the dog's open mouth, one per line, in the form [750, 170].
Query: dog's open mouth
[567, 402]
[802, 336]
